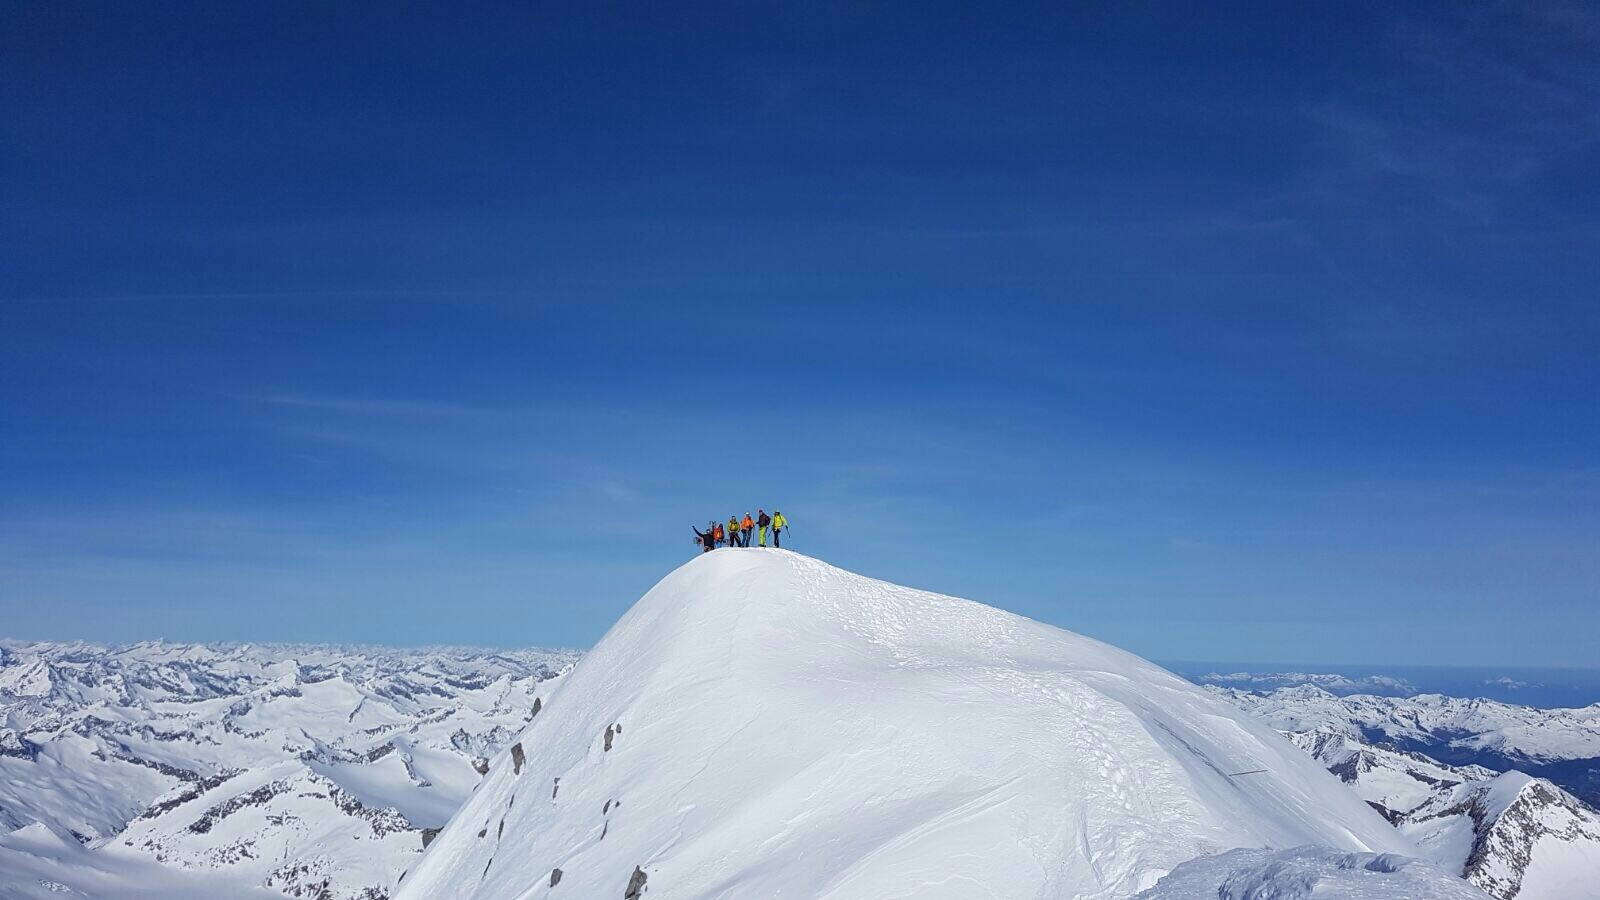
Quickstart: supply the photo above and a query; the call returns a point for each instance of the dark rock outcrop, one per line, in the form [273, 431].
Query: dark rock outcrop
[635, 884]
[517, 758]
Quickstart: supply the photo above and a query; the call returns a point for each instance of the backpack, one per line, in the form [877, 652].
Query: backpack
[764, 521]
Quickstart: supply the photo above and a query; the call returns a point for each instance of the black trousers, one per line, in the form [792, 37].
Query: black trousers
[775, 537]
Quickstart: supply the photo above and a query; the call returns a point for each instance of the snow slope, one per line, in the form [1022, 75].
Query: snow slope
[761, 724]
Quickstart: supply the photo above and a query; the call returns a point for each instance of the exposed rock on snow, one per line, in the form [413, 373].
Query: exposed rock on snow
[799, 731]
[635, 884]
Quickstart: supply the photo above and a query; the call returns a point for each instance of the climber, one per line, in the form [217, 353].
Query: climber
[747, 526]
[733, 532]
[706, 541]
[716, 533]
[779, 523]
[763, 521]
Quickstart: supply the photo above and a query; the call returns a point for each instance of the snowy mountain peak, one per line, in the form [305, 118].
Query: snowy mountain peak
[763, 724]
[1512, 835]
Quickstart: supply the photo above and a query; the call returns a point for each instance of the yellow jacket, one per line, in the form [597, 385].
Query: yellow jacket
[778, 521]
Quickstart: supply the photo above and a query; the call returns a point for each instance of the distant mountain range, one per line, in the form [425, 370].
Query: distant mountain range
[1511, 834]
[312, 771]
[187, 770]
[1562, 745]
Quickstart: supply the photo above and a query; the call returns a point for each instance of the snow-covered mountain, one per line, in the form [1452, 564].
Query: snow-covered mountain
[807, 722]
[1392, 781]
[1562, 745]
[1508, 833]
[1513, 836]
[761, 724]
[1334, 683]
[311, 770]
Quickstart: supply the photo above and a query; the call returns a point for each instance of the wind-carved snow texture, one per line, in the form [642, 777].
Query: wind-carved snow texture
[793, 730]
[312, 771]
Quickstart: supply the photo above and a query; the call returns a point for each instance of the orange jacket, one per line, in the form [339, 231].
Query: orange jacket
[716, 533]
[747, 523]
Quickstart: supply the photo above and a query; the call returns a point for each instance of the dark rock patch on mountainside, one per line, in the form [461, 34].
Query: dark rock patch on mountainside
[635, 884]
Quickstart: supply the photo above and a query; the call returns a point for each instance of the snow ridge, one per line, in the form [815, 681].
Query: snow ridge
[762, 724]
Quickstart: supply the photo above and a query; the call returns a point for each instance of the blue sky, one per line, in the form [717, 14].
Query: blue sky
[1251, 335]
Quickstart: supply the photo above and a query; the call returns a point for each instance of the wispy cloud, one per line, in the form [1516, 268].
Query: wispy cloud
[1475, 123]
[385, 407]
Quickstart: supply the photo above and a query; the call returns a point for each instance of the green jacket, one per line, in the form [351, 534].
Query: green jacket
[779, 521]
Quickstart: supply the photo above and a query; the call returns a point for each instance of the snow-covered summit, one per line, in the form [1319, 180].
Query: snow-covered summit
[761, 724]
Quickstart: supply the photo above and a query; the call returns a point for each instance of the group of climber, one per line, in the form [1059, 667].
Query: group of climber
[738, 531]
